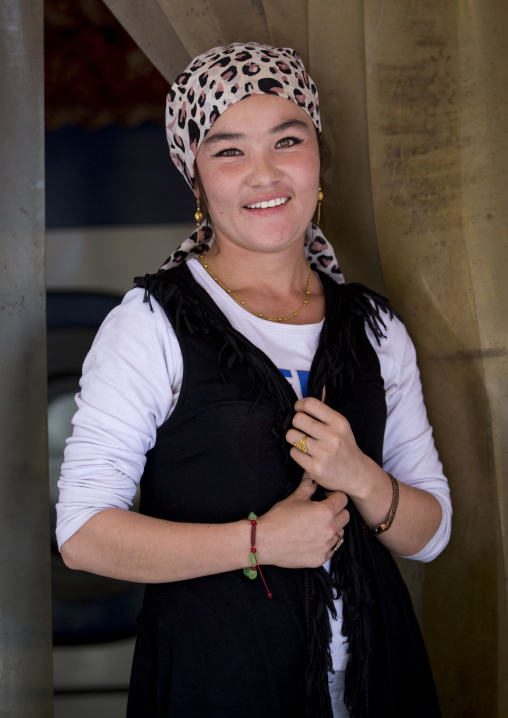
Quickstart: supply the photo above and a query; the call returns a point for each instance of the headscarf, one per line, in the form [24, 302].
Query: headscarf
[222, 76]
[206, 88]
[318, 252]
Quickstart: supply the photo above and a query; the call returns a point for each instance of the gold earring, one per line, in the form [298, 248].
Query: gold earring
[319, 201]
[199, 218]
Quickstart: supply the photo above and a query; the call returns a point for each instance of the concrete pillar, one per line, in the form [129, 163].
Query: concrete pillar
[25, 595]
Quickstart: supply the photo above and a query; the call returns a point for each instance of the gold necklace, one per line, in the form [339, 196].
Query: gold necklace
[247, 306]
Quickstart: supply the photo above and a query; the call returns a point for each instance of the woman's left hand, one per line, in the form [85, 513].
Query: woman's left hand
[335, 462]
[333, 458]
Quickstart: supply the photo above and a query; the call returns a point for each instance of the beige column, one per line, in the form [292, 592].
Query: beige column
[437, 132]
[337, 64]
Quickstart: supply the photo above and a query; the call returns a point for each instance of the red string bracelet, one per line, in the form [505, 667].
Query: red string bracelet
[252, 570]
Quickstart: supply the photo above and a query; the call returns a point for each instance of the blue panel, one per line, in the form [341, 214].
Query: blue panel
[113, 176]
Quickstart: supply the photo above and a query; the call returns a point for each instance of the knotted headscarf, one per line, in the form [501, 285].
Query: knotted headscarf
[206, 88]
[222, 76]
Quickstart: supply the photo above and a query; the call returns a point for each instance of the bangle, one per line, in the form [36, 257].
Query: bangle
[252, 570]
[393, 508]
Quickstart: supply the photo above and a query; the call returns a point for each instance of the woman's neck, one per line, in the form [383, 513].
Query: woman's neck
[272, 284]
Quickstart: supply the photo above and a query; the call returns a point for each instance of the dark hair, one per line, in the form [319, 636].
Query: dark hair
[324, 157]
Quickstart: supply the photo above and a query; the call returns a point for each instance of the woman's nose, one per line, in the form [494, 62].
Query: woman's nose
[263, 170]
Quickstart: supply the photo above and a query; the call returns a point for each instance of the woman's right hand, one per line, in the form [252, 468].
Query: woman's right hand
[300, 533]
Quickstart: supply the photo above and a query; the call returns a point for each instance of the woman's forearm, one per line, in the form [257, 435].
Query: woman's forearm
[416, 520]
[295, 533]
[132, 547]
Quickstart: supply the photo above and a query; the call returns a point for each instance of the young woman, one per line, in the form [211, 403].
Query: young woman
[261, 402]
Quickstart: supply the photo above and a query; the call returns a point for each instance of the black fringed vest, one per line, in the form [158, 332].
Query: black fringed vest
[216, 646]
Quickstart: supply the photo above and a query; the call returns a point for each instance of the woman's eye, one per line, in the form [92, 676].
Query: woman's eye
[288, 142]
[231, 152]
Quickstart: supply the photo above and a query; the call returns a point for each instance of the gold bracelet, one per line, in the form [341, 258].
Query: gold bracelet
[393, 508]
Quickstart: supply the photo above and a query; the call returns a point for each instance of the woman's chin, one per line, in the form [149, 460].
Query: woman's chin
[262, 236]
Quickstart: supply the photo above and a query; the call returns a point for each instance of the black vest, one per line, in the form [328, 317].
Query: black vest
[216, 646]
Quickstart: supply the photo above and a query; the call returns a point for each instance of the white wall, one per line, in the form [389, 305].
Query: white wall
[105, 259]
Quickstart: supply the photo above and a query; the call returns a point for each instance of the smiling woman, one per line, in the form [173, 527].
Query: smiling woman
[261, 402]
[259, 171]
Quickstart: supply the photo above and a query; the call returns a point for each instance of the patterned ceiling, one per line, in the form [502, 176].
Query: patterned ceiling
[95, 73]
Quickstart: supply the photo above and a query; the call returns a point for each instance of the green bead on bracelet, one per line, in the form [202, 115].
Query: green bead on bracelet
[252, 570]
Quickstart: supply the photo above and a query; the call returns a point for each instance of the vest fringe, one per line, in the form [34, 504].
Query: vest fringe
[196, 317]
[318, 659]
[349, 584]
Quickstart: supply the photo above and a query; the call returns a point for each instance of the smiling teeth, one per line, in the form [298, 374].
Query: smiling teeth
[269, 203]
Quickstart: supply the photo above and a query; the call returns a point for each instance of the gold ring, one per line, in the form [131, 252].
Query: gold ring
[338, 544]
[300, 444]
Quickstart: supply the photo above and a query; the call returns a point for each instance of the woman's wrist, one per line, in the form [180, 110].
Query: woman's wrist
[253, 569]
[373, 494]
[383, 527]
[366, 482]
[263, 541]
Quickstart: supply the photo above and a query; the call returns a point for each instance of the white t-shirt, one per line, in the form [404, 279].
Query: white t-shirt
[131, 383]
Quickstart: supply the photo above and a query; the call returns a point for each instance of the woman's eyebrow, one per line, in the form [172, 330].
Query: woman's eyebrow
[290, 124]
[223, 137]
[234, 136]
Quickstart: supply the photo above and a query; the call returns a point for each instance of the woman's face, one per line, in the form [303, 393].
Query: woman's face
[261, 150]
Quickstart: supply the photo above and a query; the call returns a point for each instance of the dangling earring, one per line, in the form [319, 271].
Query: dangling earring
[199, 218]
[320, 199]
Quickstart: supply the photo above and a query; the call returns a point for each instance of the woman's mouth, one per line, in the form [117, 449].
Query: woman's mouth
[268, 203]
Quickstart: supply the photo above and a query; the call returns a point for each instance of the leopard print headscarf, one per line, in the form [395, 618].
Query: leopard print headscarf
[213, 82]
[222, 76]
[318, 252]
